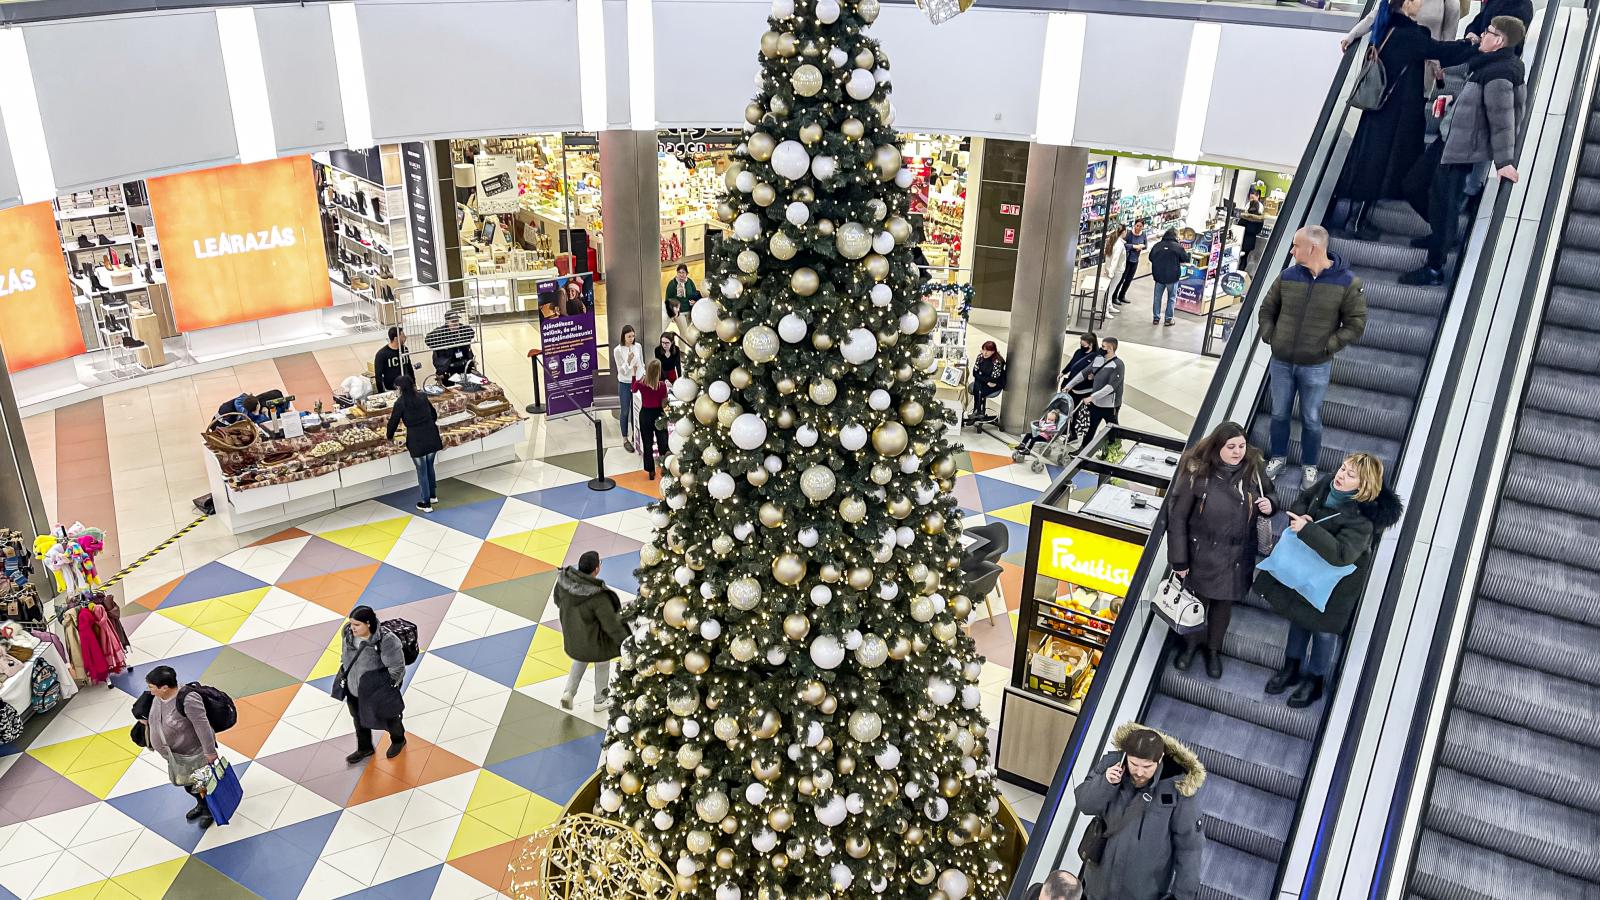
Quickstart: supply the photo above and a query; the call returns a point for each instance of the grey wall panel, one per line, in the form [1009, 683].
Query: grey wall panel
[302, 78]
[471, 68]
[127, 97]
[707, 57]
[10, 195]
[942, 85]
[1132, 83]
[1252, 118]
[618, 112]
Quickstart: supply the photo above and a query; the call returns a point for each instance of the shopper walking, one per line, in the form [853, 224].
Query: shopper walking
[1115, 260]
[1252, 220]
[1340, 517]
[591, 627]
[1482, 127]
[413, 409]
[670, 357]
[1218, 496]
[181, 733]
[1134, 241]
[1073, 392]
[372, 666]
[627, 358]
[1145, 795]
[1166, 268]
[1105, 397]
[652, 393]
[1389, 139]
[988, 379]
[1315, 309]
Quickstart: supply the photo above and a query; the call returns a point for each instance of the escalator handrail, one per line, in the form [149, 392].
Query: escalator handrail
[1220, 395]
[1456, 587]
[1339, 783]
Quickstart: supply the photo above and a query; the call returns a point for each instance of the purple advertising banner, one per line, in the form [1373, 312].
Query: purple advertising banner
[570, 358]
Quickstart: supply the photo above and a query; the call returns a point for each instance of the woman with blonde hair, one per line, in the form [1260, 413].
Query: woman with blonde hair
[1340, 518]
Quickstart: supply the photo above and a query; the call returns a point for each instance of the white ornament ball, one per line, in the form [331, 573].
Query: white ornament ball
[792, 328]
[746, 228]
[790, 159]
[610, 800]
[619, 755]
[817, 483]
[711, 629]
[797, 213]
[831, 813]
[905, 536]
[903, 178]
[755, 794]
[782, 9]
[869, 10]
[733, 287]
[821, 594]
[764, 840]
[853, 437]
[883, 242]
[826, 652]
[678, 501]
[807, 436]
[824, 167]
[860, 345]
[888, 758]
[940, 691]
[662, 820]
[841, 877]
[861, 84]
[827, 11]
[838, 58]
[954, 883]
[773, 464]
[704, 314]
[879, 399]
[720, 391]
[748, 431]
[743, 530]
[971, 697]
[728, 892]
[745, 181]
[720, 486]
[882, 295]
[761, 344]
[808, 537]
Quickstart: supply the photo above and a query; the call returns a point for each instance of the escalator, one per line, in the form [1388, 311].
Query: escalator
[1513, 809]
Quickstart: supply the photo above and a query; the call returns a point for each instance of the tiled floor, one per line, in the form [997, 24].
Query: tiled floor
[492, 757]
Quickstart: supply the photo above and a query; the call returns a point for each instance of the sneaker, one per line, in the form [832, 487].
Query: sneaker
[432, 500]
[358, 756]
[1275, 465]
[1171, 323]
[1155, 321]
[1308, 476]
[1426, 276]
[424, 508]
[627, 445]
[603, 704]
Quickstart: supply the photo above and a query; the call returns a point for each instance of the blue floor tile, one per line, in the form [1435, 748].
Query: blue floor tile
[274, 865]
[208, 581]
[417, 884]
[392, 586]
[577, 501]
[998, 494]
[555, 773]
[476, 519]
[617, 572]
[498, 657]
[161, 810]
[189, 667]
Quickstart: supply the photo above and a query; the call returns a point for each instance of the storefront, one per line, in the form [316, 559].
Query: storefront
[1085, 540]
[690, 163]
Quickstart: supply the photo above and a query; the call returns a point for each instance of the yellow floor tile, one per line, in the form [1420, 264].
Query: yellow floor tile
[150, 883]
[540, 814]
[374, 540]
[505, 816]
[537, 671]
[492, 789]
[87, 892]
[1022, 513]
[475, 835]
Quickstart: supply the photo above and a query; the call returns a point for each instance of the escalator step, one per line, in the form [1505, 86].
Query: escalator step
[1384, 292]
[1240, 693]
[1548, 482]
[1586, 191]
[1397, 218]
[1394, 258]
[1336, 445]
[1546, 533]
[1507, 821]
[1567, 348]
[1583, 231]
[1566, 392]
[1559, 707]
[1372, 369]
[1589, 162]
[1552, 588]
[1400, 332]
[1260, 757]
[1251, 820]
[1573, 307]
[1256, 635]
[1527, 761]
[1558, 437]
[1366, 412]
[1592, 131]
[1229, 874]
[1535, 641]
[1448, 869]
[1577, 268]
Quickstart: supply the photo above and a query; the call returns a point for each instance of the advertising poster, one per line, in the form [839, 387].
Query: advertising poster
[497, 183]
[570, 359]
[38, 322]
[1087, 559]
[241, 242]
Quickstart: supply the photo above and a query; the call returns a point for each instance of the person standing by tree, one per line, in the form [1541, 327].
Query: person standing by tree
[627, 358]
[592, 631]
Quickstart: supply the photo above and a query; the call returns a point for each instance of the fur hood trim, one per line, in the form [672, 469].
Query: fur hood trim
[1194, 771]
[1383, 510]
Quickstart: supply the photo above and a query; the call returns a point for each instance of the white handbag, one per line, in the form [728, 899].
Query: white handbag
[1178, 607]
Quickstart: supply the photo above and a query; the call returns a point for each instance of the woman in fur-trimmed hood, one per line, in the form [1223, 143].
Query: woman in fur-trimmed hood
[1147, 794]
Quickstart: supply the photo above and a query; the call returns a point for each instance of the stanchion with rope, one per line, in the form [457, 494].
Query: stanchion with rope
[599, 482]
[536, 408]
[128, 569]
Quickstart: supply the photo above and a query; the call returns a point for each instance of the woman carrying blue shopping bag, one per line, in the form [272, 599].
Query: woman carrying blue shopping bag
[181, 733]
[1316, 574]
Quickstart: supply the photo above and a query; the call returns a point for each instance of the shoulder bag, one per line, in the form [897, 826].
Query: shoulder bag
[1178, 607]
[1266, 539]
[1372, 85]
[341, 689]
[1098, 834]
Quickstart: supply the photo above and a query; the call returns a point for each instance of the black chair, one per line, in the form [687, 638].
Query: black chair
[998, 537]
[981, 583]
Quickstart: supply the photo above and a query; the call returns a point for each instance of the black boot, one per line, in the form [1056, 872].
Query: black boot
[1284, 677]
[1184, 659]
[1308, 692]
[1213, 663]
[200, 809]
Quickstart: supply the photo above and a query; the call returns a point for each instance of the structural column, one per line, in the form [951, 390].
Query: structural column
[631, 217]
[21, 506]
[1051, 208]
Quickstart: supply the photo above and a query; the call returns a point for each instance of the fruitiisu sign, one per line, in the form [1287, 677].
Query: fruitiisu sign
[1087, 559]
[241, 242]
[38, 323]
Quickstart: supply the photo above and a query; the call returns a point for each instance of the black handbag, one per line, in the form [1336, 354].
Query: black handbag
[340, 689]
[1098, 834]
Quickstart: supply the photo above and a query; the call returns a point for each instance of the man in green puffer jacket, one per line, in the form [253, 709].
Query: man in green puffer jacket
[1316, 308]
[592, 630]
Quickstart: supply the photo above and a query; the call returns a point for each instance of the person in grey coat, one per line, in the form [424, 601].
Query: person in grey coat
[591, 627]
[181, 733]
[1147, 794]
[1105, 400]
[372, 665]
[1218, 496]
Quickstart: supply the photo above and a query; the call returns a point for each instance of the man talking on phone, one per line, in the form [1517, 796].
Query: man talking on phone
[1144, 840]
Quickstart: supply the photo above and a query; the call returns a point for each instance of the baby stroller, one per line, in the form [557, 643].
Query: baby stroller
[1049, 441]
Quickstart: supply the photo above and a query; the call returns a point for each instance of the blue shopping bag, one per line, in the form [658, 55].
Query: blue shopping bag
[1303, 570]
[223, 791]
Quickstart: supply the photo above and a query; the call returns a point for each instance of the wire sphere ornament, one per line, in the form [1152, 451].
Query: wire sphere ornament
[585, 857]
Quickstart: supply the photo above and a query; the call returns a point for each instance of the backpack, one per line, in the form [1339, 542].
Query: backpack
[406, 632]
[220, 711]
[46, 689]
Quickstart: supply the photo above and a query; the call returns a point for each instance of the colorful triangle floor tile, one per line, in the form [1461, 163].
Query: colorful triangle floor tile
[374, 540]
[498, 657]
[274, 865]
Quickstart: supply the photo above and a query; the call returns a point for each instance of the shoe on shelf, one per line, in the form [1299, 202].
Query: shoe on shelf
[394, 750]
[358, 756]
[650, 473]
[1306, 693]
[1308, 476]
[1184, 659]
[1276, 465]
[424, 507]
[1282, 679]
[1426, 276]
[1213, 663]
[103, 240]
[84, 243]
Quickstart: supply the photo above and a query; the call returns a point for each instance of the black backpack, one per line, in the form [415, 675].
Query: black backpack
[220, 711]
[406, 632]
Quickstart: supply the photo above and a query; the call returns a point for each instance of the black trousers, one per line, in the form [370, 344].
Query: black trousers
[649, 436]
[1445, 199]
[1098, 414]
[397, 731]
[1219, 612]
[1120, 293]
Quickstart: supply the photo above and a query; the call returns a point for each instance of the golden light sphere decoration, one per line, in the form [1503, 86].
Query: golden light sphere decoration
[586, 857]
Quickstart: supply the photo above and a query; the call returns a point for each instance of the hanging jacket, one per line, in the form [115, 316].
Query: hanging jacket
[95, 665]
[116, 658]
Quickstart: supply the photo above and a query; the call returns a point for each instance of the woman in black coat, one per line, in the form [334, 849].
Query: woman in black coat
[988, 379]
[1088, 357]
[1340, 517]
[1389, 139]
[1216, 499]
[413, 409]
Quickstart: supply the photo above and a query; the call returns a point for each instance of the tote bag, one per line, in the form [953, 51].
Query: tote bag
[223, 792]
[1303, 570]
[1178, 607]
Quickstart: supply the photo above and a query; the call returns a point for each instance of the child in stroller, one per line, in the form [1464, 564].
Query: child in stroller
[1043, 429]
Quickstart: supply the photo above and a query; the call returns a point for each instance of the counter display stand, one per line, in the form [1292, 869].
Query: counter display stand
[348, 460]
[1085, 539]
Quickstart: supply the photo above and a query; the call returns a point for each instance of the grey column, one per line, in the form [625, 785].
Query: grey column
[1051, 209]
[630, 211]
[21, 506]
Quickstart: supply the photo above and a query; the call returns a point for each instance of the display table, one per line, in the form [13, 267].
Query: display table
[277, 481]
[18, 689]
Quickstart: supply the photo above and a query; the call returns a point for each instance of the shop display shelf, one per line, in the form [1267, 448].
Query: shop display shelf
[72, 246]
[88, 212]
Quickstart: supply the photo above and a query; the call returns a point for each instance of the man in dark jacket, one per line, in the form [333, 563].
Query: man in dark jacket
[1482, 127]
[392, 360]
[591, 627]
[1166, 267]
[451, 344]
[1521, 10]
[1107, 378]
[1315, 309]
[1146, 793]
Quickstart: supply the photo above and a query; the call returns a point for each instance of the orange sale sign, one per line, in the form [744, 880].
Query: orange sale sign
[40, 321]
[241, 243]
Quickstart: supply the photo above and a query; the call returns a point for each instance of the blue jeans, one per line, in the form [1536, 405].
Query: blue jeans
[426, 481]
[1311, 383]
[625, 410]
[1171, 290]
[1324, 646]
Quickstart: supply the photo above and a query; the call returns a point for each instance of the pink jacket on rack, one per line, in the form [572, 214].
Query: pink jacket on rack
[116, 657]
[95, 665]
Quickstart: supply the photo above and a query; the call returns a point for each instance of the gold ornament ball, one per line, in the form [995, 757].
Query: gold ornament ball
[698, 841]
[731, 175]
[786, 417]
[950, 786]
[673, 611]
[782, 246]
[900, 649]
[804, 193]
[914, 835]
[725, 858]
[860, 578]
[740, 376]
[761, 146]
[728, 329]
[904, 372]
[933, 523]
[726, 212]
[882, 474]
[890, 438]
[752, 114]
[944, 467]
[806, 786]
[705, 409]
[830, 705]
[830, 573]
[788, 568]
[805, 281]
[822, 341]
[807, 81]
[961, 607]
[726, 728]
[667, 666]
[765, 769]
[923, 872]
[852, 127]
[727, 412]
[651, 756]
[729, 825]
[918, 645]
[809, 133]
[877, 266]
[780, 819]
[846, 764]
[788, 46]
[971, 824]
[813, 693]
[796, 627]
[864, 58]
[852, 509]
[689, 756]
[922, 609]
[780, 106]
[770, 514]
[696, 662]
[757, 477]
[899, 229]
[823, 391]
[764, 195]
[711, 456]
[912, 413]
[857, 846]
[825, 227]
[899, 507]
[786, 385]
[631, 784]
[687, 884]
[927, 317]
[944, 632]
[769, 49]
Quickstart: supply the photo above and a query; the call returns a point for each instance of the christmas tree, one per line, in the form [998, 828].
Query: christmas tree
[799, 717]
